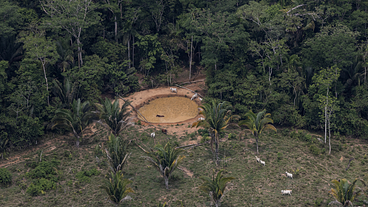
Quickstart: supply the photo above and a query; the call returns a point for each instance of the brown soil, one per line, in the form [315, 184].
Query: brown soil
[172, 109]
[138, 99]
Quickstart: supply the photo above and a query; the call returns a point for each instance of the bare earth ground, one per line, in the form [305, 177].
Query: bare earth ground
[179, 128]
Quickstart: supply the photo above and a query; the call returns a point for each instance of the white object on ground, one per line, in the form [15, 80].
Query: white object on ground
[258, 159]
[153, 135]
[194, 96]
[173, 90]
[289, 175]
[285, 192]
[262, 162]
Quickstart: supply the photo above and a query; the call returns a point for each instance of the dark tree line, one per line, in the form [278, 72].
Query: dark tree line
[303, 61]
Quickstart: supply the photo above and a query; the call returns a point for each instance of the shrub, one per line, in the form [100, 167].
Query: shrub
[232, 136]
[44, 169]
[84, 175]
[314, 150]
[40, 186]
[5, 176]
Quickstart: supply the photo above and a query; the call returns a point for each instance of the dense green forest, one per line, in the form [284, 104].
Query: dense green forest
[303, 61]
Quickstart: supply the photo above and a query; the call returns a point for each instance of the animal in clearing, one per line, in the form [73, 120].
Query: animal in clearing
[285, 192]
[164, 131]
[289, 175]
[194, 96]
[262, 162]
[258, 159]
[160, 115]
[173, 90]
[153, 135]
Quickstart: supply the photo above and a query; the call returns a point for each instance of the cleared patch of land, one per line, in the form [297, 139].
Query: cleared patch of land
[255, 185]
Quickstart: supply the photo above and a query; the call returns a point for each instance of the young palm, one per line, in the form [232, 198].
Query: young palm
[112, 117]
[343, 192]
[116, 153]
[117, 188]
[76, 119]
[215, 186]
[165, 159]
[67, 91]
[217, 117]
[258, 123]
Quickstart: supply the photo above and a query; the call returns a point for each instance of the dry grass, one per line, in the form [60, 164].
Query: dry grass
[255, 185]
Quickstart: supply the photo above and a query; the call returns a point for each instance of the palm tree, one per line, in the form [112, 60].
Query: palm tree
[116, 153]
[217, 117]
[117, 188]
[112, 117]
[76, 119]
[343, 192]
[165, 159]
[258, 123]
[67, 91]
[215, 187]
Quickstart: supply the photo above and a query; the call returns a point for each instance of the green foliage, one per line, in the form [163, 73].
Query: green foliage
[75, 120]
[165, 159]
[217, 117]
[40, 186]
[314, 150]
[84, 175]
[116, 153]
[343, 192]
[117, 188]
[5, 177]
[22, 131]
[112, 116]
[112, 51]
[45, 169]
[258, 123]
[215, 187]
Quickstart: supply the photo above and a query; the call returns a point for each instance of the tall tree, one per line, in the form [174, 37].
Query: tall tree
[40, 48]
[323, 81]
[217, 117]
[72, 16]
[258, 123]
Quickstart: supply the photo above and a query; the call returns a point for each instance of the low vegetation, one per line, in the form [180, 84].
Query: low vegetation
[78, 175]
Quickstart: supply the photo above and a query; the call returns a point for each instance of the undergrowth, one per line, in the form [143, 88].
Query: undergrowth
[69, 176]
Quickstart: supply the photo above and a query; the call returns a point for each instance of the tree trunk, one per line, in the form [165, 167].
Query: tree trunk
[217, 151]
[47, 85]
[326, 114]
[329, 132]
[80, 59]
[257, 143]
[166, 182]
[217, 203]
[190, 58]
[116, 30]
[129, 51]
[133, 53]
